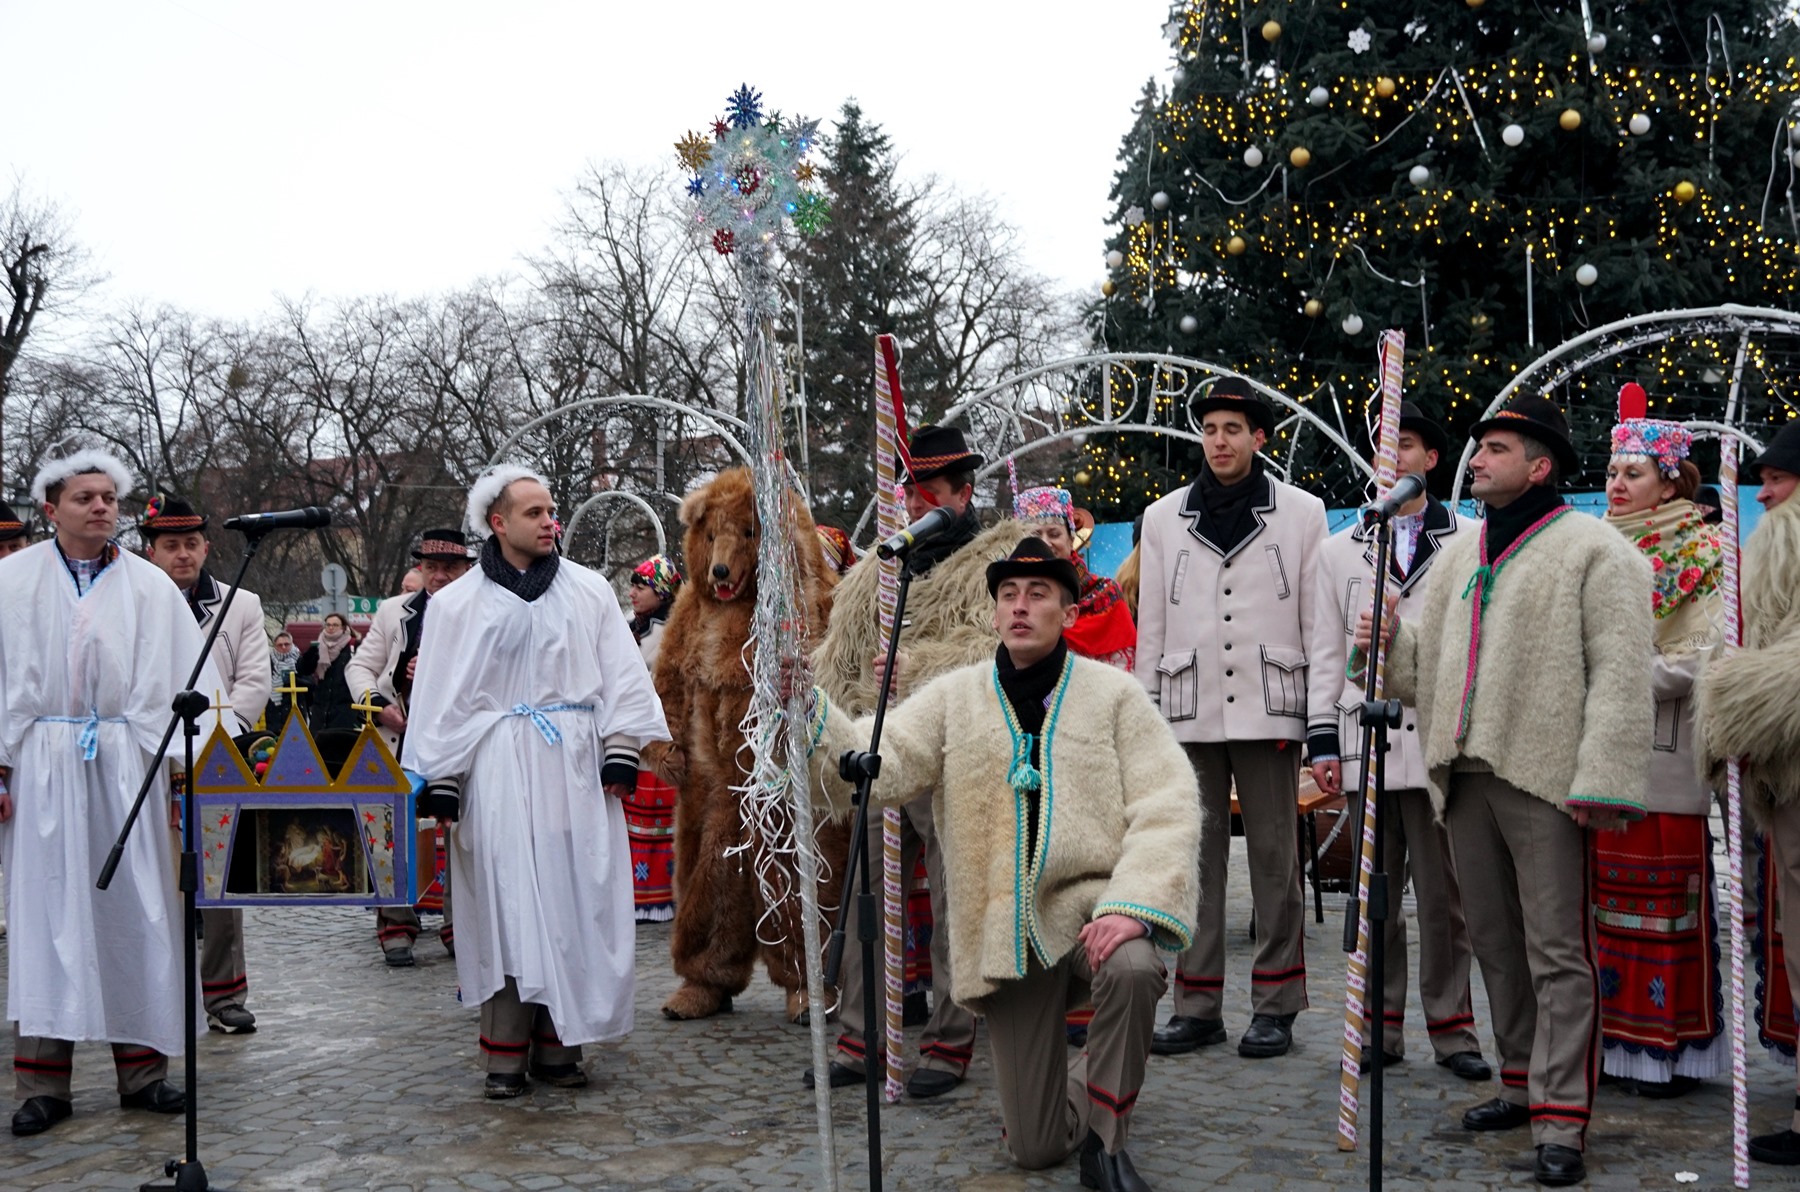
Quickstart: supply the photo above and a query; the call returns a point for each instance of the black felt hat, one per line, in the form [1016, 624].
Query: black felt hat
[1033, 557]
[1541, 419]
[1429, 429]
[1236, 395]
[1783, 453]
[169, 515]
[11, 524]
[937, 451]
[448, 545]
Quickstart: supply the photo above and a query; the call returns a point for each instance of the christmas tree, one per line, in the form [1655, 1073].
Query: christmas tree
[1491, 176]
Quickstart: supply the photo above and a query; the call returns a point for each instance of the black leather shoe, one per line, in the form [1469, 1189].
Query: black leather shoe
[1558, 1165]
[159, 1096]
[561, 1076]
[1108, 1173]
[1184, 1034]
[503, 1086]
[1496, 1114]
[1781, 1148]
[929, 1082]
[1269, 1035]
[232, 1020]
[399, 957]
[839, 1076]
[1387, 1059]
[38, 1114]
[1469, 1065]
[1667, 1090]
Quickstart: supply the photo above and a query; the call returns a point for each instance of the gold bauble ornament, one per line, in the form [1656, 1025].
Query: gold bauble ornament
[1300, 158]
[1385, 87]
[1313, 308]
[1570, 120]
[1684, 192]
[1271, 30]
[1082, 477]
[1107, 288]
[1236, 246]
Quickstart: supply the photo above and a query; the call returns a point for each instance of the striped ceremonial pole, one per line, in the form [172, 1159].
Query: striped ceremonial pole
[1734, 825]
[890, 519]
[1387, 453]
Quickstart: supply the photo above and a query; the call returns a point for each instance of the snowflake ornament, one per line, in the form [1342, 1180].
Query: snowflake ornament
[1134, 215]
[1360, 41]
[696, 187]
[693, 150]
[744, 107]
[1415, 28]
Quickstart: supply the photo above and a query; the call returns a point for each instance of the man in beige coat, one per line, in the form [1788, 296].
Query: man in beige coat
[1414, 841]
[1530, 668]
[1749, 708]
[174, 538]
[380, 673]
[1227, 615]
[1070, 834]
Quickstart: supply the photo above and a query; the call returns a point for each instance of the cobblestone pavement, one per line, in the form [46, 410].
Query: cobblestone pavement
[363, 1076]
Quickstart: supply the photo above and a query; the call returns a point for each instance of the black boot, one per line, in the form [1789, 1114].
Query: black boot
[1108, 1173]
[1781, 1148]
[159, 1096]
[38, 1114]
[1269, 1035]
[1184, 1034]
[1559, 1165]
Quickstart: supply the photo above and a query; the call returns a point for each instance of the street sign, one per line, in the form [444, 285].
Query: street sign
[333, 579]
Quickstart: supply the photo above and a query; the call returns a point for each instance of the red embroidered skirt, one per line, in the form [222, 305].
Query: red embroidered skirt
[1775, 1025]
[650, 823]
[1657, 933]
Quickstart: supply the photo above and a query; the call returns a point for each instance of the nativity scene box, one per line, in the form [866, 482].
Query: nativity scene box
[298, 834]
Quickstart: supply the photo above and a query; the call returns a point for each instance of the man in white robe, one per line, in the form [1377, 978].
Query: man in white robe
[531, 697]
[94, 644]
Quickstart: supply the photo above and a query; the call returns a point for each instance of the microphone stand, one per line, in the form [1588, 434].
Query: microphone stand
[862, 768]
[187, 1175]
[1378, 717]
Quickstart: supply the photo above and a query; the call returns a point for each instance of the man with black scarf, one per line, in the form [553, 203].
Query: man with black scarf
[948, 625]
[1227, 618]
[1529, 664]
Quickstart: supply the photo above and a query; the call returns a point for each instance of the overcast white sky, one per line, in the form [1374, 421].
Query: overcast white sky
[214, 154]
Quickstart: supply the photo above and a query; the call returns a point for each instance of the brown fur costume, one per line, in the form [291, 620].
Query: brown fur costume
[702, 678]
[1749, 702]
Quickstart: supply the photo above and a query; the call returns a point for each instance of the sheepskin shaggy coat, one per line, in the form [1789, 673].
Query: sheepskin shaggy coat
[1558, 694]
[1118, 813]
[1749, 701]
[702, 679]
[949, 621]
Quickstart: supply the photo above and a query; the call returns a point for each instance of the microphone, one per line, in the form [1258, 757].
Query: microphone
[310, 518]
[1407, 489]
[923, 530]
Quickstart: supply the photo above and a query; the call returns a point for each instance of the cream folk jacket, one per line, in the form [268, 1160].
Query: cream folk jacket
[1118, 818]
[1541, 669]
[1224, 638]
[371, 668]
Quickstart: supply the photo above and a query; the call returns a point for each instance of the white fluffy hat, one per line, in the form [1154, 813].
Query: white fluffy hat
[81, 463]
[487, 489]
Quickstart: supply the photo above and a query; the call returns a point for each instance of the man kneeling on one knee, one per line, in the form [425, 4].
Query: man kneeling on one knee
[1071, 836]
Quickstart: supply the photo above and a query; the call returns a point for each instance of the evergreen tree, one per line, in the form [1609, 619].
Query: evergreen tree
[1318, 172]
[859, 278]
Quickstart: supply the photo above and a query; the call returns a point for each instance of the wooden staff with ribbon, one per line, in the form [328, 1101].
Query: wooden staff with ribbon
[1387, 454]
[890, 518]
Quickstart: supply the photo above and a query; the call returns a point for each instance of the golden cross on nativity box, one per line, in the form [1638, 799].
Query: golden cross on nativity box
[293, 687]
[367, 708]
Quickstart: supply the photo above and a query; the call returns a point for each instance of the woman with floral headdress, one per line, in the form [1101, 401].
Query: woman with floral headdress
[1652, 883]
[650, 810]
[1105, 630]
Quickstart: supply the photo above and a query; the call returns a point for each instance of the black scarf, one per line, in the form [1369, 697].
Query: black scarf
[527, 587]
[932, 551]
[1028, 691]
[1506, 522]
[1228, 506]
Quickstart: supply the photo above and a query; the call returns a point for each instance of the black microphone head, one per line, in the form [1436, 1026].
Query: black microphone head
[317, 518]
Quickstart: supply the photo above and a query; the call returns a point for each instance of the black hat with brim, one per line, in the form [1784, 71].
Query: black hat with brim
[1236, 396]
[1541, 419]
[1430, 429]
[937, 451]
[1783, 454]
[447, 545]
[169, 515]
[1033, 557]
[11, 524]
